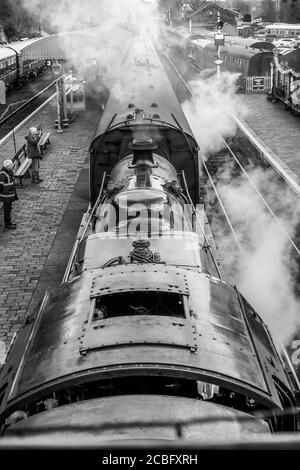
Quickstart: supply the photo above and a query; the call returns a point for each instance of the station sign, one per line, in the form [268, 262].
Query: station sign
[258, 83]
[219, 39]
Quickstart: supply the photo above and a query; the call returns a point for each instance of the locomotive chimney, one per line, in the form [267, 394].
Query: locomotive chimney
[142, 152]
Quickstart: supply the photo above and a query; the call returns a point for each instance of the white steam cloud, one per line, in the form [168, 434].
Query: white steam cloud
[210, 112]
[70, 15]
[266, 277]
[107, 30]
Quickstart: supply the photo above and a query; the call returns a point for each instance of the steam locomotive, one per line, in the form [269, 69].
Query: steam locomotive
[144, 339]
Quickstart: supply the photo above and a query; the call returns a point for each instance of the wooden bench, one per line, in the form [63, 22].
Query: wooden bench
[44, 141]
[21, 164]
[23, 170]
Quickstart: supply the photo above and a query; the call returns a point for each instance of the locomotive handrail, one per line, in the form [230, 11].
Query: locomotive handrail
[191, 150]
[80, 238]
[95, 206]
[110, 122]
[31, 335]
[127, 122]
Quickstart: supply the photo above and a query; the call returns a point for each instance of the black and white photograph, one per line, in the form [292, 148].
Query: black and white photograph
[149, 231]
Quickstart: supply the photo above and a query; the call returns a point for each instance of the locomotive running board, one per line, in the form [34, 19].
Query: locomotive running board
[85, 222]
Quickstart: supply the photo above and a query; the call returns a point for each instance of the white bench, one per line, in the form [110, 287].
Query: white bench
[21, 164]
[44, 141]
[23, 170]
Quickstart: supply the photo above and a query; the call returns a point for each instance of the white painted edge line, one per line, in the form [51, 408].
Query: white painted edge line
[8, 136]
[268, 156]
[253, 139]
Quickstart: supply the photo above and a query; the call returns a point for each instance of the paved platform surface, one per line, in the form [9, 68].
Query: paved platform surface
[277, 128]
[34, 256]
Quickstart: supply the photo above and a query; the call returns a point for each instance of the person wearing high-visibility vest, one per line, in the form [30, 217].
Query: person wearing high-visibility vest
[8, 192]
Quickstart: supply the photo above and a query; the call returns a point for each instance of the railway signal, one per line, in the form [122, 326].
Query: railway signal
[220, 23]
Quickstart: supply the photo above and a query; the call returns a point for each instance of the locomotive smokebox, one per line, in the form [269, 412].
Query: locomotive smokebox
[142, 152]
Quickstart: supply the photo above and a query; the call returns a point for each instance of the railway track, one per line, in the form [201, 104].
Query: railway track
[18, 111]
[253, 207]
[239, 164]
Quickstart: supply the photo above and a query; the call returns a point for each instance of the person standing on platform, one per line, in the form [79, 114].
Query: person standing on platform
[33, 152]
[8, 192]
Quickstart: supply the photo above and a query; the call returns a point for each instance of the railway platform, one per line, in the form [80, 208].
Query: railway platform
[277, 129]
[34, 256]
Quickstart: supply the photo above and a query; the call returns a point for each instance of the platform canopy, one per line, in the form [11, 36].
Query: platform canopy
[61, 46]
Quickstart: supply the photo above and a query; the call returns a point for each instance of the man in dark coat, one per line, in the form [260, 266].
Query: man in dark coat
[33, 152]
[8, 192]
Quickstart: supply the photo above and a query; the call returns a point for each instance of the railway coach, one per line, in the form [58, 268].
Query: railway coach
[249, 60]
[15, 69]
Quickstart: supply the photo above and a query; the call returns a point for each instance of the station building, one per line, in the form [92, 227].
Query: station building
[207, 16]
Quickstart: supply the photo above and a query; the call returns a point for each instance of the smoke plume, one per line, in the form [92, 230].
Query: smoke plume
[210, 112]
[266, 275]
[107, 31]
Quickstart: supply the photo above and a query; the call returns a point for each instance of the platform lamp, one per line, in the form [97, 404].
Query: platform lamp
[219, 41]
[272, 82]
[56, 67]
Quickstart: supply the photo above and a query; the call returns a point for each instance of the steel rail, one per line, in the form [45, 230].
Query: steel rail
[224, 211]
[294, 186]
[6, 119]
[80, 237]
[263, 199]
[207, 246]
[208, 173]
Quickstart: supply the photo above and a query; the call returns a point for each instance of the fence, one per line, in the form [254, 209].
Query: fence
[258, 84]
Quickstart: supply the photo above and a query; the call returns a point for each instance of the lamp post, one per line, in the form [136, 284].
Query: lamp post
[272, 84]
[71, 92]
[219, 41]
[56, 67]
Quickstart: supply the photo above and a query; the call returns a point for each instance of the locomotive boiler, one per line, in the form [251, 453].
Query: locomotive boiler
[144, 338]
